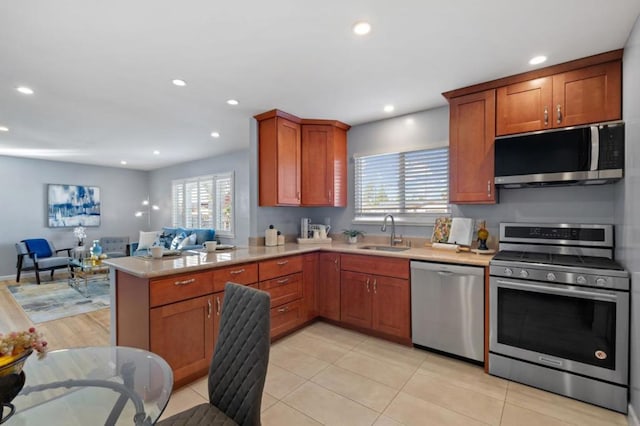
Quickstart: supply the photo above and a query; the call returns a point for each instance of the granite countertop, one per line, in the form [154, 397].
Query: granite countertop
[198, 260]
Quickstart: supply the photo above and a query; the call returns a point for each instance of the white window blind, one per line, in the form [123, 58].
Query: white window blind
[407, 184]
[204, 202]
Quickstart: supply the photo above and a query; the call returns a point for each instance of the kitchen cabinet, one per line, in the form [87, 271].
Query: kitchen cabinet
[471, 138]
[324, 164]
[279, 166]
[309, 283]
[328, 286]
[182, 334]
[301, 162]
[375, 295]
[587, 95]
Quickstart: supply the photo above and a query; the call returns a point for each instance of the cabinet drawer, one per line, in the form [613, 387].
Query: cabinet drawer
[239, 274]
[278, 267]
[286, 317]
[180, 287]
[283, 289]
[387, 266]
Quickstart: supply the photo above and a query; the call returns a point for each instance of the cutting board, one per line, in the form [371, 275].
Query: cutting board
[461, 232]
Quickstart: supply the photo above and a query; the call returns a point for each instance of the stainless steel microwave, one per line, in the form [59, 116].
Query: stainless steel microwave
[592, 154]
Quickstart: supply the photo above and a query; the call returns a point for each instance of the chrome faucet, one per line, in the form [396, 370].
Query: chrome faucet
[392, 239]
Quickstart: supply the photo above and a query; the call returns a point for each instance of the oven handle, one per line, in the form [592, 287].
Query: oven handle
[563, 290]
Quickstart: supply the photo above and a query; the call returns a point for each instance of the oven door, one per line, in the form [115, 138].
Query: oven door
[576, 329]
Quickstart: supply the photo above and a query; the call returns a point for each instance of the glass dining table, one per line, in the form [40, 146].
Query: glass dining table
[94, 385]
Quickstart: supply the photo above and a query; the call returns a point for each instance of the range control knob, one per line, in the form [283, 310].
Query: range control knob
[551, 276]
[581, 280]
[524, 273]
[508, 272]
[601, 282]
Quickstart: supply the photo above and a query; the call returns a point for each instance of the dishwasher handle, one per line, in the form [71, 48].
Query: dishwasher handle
[447, 269]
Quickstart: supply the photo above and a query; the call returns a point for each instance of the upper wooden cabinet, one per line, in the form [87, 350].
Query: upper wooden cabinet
[324, 164]
[587, 95]
[471, 137]
[302, 162]
[279, 159]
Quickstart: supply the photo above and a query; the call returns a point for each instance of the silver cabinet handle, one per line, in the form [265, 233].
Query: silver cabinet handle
[218, 305]
[283, 262]
[185, 282]
[298, 195]
[546, 115]
[285, 309]
[375, 286]
[559, 109]
[329, 195]
[367, 284]
[286, 280]
[489, 189]
[208, 308]
[239, 271]
[335, 262]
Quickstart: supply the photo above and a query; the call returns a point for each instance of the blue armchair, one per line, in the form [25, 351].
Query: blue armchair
[38, 255]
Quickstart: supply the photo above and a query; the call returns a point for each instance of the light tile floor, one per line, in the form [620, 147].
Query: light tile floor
[328, 375]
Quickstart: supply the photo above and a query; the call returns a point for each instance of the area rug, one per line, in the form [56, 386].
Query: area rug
[52, 300]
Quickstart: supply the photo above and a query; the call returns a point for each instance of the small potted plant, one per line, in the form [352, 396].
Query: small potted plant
[352, 235]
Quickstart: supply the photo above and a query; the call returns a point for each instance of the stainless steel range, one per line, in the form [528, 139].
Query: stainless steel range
[559, 312]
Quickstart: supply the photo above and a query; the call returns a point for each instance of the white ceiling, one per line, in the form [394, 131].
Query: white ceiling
[102, 70]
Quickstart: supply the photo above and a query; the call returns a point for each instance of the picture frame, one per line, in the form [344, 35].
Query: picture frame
[73, 205]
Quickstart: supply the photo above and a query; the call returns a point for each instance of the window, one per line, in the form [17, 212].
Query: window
[204, 202]
[414, 186]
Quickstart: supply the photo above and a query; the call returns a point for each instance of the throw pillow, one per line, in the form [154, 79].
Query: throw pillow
[188, 241]
[147, 239]
[177, 240]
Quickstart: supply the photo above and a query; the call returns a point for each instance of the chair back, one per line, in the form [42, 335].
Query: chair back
[27, 261]
[114, 246]
[241, 357]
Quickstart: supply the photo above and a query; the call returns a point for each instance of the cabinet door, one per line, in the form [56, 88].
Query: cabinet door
[328, 286]
[182, 333]
[471, 135]
[309, 278]
[524, 107]
[588, 95]
[285, 318]
[324, 166]
[391, 306]
[355, 298]
[279, 162]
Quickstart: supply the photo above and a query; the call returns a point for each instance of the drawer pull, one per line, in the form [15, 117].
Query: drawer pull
[375, 286]
[209, 308]
[367, 284]
[286, 280]
[218, 305]
[239, 271]
[283, 262]
[285, 309]
[185, 282]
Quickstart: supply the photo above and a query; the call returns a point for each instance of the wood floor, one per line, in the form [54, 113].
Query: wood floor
[90, 329]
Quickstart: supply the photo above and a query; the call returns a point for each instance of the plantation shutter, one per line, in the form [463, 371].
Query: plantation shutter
[224, 192]
[177, 209]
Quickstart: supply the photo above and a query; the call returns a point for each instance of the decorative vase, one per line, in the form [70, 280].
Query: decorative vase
[353, 240]
[96, 249]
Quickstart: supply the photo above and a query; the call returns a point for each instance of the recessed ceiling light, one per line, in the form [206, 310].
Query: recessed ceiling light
[4, 129]
[124, 163]
[179, 82]
[232, 102]
[389, 108]
[24, 90]
[537, 60]
[156, 152]
[215, 134]
[361, 28]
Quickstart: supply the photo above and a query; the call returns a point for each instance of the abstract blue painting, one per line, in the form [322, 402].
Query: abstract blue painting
[73, 205]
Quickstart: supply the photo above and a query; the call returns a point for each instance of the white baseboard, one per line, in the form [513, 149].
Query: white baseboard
[7, 277]
[633, 417]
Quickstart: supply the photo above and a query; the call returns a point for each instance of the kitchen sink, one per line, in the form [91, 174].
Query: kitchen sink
[385, 248]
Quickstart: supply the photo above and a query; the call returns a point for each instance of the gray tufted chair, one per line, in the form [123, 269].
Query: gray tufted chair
[239, 365]
[115, 246]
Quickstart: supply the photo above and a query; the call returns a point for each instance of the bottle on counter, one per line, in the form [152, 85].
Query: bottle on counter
[271, 236]
[280, 239]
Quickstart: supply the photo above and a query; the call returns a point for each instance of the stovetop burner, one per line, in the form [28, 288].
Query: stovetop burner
[558, 259]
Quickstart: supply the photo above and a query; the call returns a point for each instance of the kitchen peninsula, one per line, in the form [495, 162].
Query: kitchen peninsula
[172, 306]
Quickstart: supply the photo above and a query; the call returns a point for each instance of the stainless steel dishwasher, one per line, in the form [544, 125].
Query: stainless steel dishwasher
[447, 308]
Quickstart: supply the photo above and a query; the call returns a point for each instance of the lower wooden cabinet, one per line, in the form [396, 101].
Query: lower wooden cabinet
[376, 302]
[309, 280]
[328, 286]
[286, 317]
[182, 334]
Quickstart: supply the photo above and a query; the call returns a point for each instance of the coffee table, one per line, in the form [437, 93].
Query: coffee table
[82, 269]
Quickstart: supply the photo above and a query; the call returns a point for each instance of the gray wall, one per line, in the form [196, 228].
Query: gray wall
[627, 211]
[237, 162]
[24, 202]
